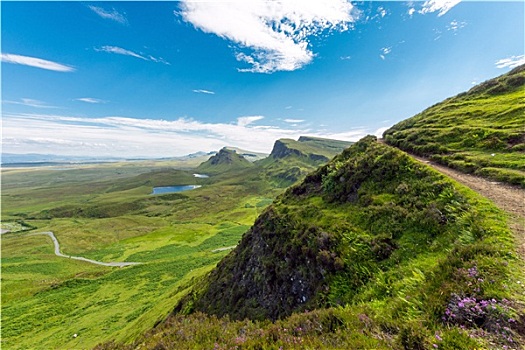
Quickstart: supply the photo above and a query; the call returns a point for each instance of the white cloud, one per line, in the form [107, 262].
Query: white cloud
[456, 25]
[90, 100]
[411, 11]
[294, 120]
[270, 36]
[511, 62]
[31, 103]
[36, 62]
[113, 15]
[440, 6]
[128, 137]
[201, 91]
[158, 60]
[120, 51]
[382, 11]
[385, 51]
[345, 58]
[243, 121]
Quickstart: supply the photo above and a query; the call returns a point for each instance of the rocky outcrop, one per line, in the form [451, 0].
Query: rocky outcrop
[281, 149]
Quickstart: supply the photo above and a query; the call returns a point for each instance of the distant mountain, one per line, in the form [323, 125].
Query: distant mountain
[481, 131]
[290, 160]
[34, 158]
[310, 148]
[249, 155]
[225, 160]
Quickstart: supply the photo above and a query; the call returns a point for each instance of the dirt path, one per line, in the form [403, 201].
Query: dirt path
[58, 253]
[508, 198]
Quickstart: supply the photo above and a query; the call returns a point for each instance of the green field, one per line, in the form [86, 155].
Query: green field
[105, 212]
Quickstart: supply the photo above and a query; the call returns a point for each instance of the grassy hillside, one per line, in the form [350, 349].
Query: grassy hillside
[481, 131]
[387, 252]
[290, 160]
[331, 146]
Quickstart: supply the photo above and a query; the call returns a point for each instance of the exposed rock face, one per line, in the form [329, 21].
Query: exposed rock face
[254, 284]
[281, 150]
[226, 156]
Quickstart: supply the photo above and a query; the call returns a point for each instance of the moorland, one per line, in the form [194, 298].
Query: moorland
[321, 244]
[106, 212]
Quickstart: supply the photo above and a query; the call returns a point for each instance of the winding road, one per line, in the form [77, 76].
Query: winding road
[58, 253]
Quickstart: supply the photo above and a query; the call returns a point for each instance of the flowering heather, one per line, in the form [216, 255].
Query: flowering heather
[489, 315]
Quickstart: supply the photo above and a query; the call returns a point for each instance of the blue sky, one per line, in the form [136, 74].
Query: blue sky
[160, 79]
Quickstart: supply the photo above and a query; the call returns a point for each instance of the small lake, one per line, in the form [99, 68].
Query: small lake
[173, 189]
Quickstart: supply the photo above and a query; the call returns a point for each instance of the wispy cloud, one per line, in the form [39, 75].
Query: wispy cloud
[120, 51]
[385, 51]
[455, 25]
[31, 103]
[294, 121]
[112, 14]
[382, 11]
[270, 36]
[439, 6]
[243, 121]
[36, 62]
[90, 100]
[158, 60]
[511, 62]
[201, 91]
[128, 137]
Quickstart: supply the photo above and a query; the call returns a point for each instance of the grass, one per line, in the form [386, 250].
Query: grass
[369, 251]
[386, 251]
[480, 131]
[105, 212]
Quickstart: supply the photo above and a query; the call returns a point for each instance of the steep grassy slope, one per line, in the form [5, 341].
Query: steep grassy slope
[399, 255]
[481, 131]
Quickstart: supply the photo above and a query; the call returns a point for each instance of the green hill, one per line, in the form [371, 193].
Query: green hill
[249, 155]
[290, 160]
[481, 131]
[225, 160]
[387, 252]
